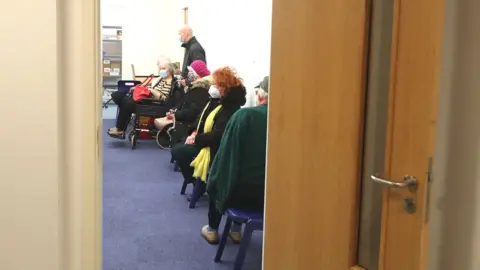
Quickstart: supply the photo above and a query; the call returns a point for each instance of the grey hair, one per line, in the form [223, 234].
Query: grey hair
[262, 93]
[162, 60]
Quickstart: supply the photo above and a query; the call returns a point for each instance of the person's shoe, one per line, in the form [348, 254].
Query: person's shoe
[115, 132]
[236, 237]
[210, 235]
[204, 196]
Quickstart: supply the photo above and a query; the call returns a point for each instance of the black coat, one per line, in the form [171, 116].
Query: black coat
[194, 101]
[193, 51]
[176, 95]
[231, 102]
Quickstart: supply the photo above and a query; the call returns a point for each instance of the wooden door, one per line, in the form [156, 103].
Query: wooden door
[316, 119]
[314, 151]
[414, 83]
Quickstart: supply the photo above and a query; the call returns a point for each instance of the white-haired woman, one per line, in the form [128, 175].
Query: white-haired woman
[166, 89]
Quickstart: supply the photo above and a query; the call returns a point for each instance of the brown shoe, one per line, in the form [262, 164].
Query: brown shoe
[236, 237]
[210, 235]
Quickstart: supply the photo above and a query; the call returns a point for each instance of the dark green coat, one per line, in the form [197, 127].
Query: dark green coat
[238, 169]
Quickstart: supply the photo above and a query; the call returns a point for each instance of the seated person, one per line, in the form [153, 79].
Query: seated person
[165, 89]
[237, 176]
[195, 99]
[228, 95]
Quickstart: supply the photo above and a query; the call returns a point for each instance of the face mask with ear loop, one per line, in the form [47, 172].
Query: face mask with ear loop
[163, 73]
[214, 92]
[191, 74]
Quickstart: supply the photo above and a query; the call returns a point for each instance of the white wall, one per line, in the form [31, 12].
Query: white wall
[235, 33]
[112, 11]
[455, 204]
[150, 29]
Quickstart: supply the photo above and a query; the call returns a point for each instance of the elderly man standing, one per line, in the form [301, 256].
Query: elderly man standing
[237, 176]
[193, 51]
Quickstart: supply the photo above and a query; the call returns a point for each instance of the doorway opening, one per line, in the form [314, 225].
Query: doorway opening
[148, 223]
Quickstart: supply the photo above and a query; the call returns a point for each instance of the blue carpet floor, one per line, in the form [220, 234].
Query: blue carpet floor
[147, 224]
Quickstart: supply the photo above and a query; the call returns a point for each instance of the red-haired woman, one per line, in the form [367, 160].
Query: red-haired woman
[227, 96]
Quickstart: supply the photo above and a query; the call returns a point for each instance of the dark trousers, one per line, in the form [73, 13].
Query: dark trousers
[236, 201]
[118, 96]
[126, 106]
[180, 133]
[184, 154]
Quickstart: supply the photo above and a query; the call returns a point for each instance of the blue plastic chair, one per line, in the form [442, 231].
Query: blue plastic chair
[253, 222]
[123, 86]
[175, 166]
[198, 190]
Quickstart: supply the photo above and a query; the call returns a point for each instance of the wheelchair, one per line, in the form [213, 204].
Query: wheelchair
[143, 121]
[164, 136]
[141, 124]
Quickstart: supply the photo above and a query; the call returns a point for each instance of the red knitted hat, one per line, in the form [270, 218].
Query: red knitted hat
[200, 68]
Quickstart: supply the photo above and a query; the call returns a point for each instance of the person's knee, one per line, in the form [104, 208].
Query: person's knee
[128, 104]
[117, 97]
[160, 123]
[178, 152]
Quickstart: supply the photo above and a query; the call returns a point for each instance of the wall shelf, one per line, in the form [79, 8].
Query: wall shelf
[111, 59]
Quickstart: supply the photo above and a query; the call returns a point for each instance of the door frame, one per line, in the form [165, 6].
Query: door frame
[79, 73]
[79, 21]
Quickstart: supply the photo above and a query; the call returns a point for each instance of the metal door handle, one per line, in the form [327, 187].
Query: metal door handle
[409, 182]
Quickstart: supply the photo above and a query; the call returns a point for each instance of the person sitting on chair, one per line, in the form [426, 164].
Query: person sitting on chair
[228, 95]
[237, 175]
[196, 97]
[165, 89]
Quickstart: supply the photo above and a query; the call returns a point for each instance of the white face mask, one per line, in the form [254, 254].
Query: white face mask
[214, 92]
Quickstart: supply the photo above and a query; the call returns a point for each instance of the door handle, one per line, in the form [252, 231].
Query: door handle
[409, 182]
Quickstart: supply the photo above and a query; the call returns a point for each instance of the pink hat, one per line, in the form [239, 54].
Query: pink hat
[200, 68]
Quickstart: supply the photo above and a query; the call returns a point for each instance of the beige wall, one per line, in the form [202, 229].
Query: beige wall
[455, 204]
[29, 172]
[49, 184]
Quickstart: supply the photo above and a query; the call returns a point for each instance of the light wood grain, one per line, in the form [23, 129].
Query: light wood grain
[414, 82]
[314, 136]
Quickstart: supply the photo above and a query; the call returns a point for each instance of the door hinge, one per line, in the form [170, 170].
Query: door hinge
[429, 187]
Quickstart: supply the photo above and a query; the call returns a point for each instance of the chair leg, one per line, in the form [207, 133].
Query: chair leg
[198, 191]
[184, 187]
[223, 240]
[176, 168]
[242, 252]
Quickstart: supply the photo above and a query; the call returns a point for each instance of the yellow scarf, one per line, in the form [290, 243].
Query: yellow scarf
[202, 161]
